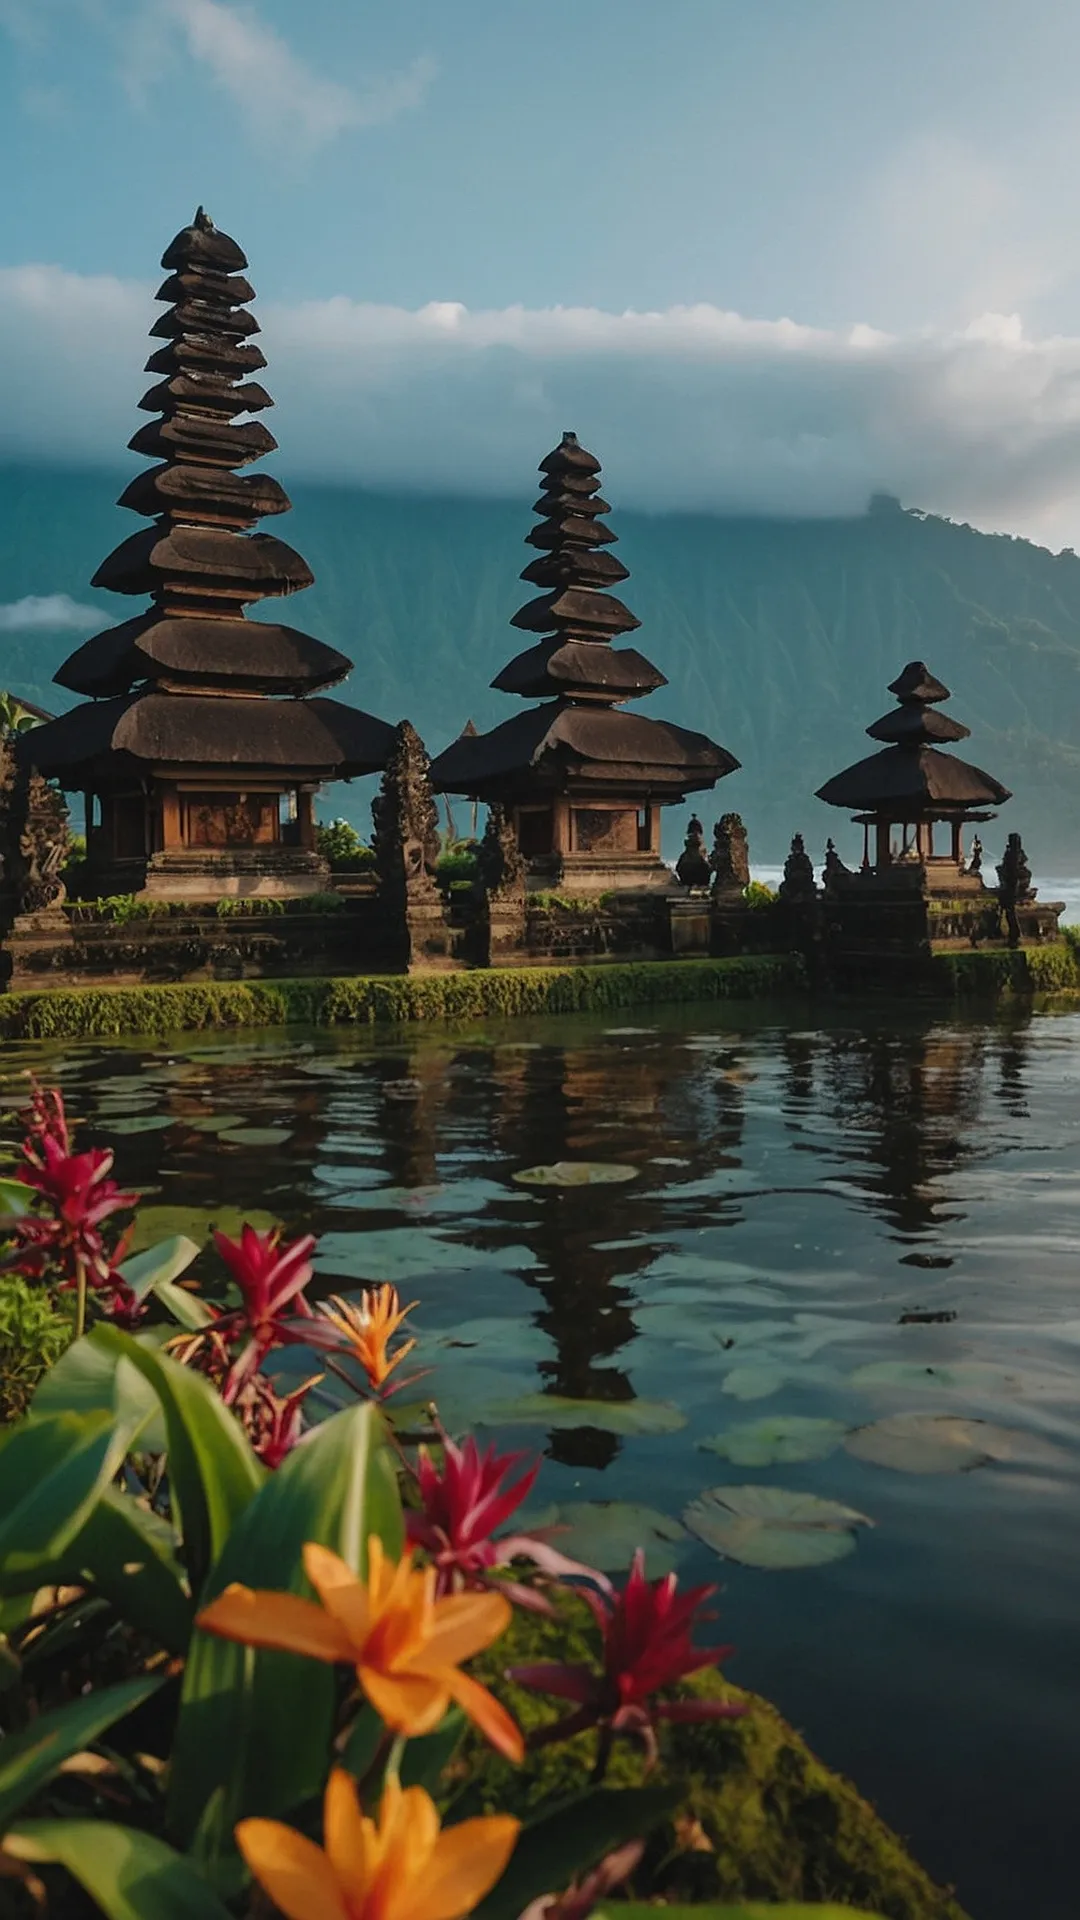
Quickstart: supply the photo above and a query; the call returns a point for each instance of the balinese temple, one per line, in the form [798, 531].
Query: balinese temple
[582, 780]
[203, 740]
[912, 800]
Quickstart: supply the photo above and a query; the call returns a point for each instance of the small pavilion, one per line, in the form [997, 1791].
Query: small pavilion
[581, 780]
[912, 800]
[200, 744]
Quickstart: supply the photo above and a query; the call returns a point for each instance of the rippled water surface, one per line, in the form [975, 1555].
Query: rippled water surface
[798, 1194]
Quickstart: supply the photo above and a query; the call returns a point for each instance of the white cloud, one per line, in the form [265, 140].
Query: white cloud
[282, 98]
[48, 613]
[690, 408]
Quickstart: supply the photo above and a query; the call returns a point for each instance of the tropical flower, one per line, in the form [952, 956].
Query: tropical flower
[646, 1646]
[271, 1277]
[402, 1868]
[405, 1644]
[365, 1331]
[461, 1507]
[275, 1422]
[76, 1195]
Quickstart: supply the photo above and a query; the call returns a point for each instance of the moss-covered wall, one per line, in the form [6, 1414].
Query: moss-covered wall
[93, 1012]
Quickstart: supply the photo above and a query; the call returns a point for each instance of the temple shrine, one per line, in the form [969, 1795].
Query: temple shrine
[912, 800]
[201, 742]
[582, 782]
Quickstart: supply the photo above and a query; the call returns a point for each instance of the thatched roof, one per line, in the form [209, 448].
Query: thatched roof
[912, 781]
[581, 667]
[248, 655]
[560, 745]
[320, 739]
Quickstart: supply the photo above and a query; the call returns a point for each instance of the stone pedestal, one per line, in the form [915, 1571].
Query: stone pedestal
[690, 924]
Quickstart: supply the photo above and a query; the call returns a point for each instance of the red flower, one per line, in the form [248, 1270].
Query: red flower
[271, 1278]
[646, 1646]
[63, 1240]
[274, 1422]
[463, 1505]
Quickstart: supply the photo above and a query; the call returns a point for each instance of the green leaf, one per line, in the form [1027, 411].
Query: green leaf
[145, 1272]
[607, 1533]
[52, 1474]
[130, 1554]
[570, 1839]
[944, 1443]
[424, 1760]
[15, 1197]
[774, 1527]
[553, 1411]
[30, 1758]
[576, 1173]
[259, 1724]
[86, 1379]
[213, 1471]
[187, 1309]
[129, 1875]
[782, 1438]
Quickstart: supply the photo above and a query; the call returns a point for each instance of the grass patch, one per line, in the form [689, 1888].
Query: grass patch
[87, 1013]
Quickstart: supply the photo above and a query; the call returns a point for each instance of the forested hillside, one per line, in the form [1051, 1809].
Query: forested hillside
[777, 637]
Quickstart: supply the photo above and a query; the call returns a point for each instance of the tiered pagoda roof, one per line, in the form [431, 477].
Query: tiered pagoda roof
[578, 732]
[176, 683]
[911, 776]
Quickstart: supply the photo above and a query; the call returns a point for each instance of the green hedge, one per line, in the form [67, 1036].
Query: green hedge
[99, 1012]
[994, 971]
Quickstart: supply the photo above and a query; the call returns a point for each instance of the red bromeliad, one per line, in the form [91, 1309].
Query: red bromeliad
[271, 1278]
[647, 1646]
[463, 1505]
[62, 1241]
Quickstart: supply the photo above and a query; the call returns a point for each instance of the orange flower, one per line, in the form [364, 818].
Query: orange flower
[402, 1868]
[405, 1644]
[366, 1330]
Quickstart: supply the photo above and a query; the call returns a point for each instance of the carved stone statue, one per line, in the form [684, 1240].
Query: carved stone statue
[974, 864]
[502, 868]
[692, 866]
[834, 867]
[406, 836]
[33, 837]
[798, 882]
[730, 858]
[1014, 885]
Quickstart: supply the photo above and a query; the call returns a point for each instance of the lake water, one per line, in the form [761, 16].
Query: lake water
[802, 1185]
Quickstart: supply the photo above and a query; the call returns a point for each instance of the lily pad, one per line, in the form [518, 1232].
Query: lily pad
[939, 1443]
[772, 1527]
[195, 1223]
[138, 1123]
[576, 1173]
[781, 1439]
[256, 1136]
[754, 1382]
[609, 1416]
[956, 1376]
[214, 1122]
[606, 1534]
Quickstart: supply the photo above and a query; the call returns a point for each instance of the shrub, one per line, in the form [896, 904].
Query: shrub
[33, 1335]
[341, 845]
[757, 894]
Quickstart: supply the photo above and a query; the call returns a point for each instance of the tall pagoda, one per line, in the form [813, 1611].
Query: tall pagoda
[581, 780]
[201, 746]
[911, 797]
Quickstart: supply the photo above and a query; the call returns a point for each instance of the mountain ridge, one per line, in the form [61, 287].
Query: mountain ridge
[778, 637]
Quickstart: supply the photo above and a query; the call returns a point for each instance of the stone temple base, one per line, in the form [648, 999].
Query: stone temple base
[239, 873]
[581, 875]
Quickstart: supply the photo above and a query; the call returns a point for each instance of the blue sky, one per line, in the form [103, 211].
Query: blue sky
[454, 212]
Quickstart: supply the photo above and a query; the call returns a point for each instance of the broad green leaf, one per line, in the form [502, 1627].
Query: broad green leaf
[256, 1136]
[130, 1554]
[781, 1439]
[30, 1758]
[155, 1223]
[189, 1310]
[551, 1410]
[576, 1173]
[260, 1724]
[15, 1197]
[213, 1471]
[129, 1875]
[944, 1443]
[968, 1377]
[424, 1760]
[607, 1533]
[52, 1474]
[772, 1527]
[571, 1838]
[144, 1272]
[86, 1379]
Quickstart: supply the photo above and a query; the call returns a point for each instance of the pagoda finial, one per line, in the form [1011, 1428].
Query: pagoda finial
[203, 221]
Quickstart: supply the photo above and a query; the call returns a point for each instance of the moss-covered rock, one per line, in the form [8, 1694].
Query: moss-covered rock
[761, 1817]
